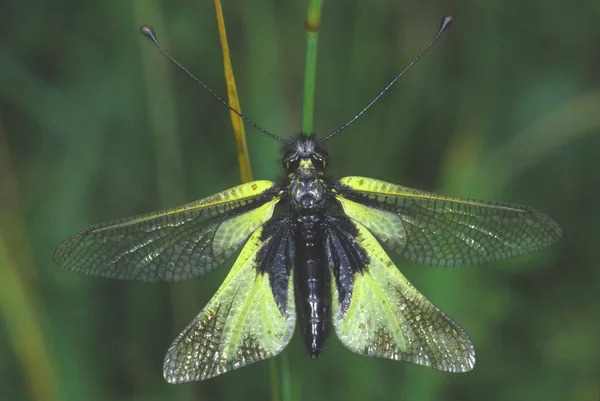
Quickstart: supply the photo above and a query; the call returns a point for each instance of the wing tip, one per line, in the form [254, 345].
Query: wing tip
[462, 364]
[171, 377]
[172, 372]
[466, 365]
[553, 229]
[467, 362]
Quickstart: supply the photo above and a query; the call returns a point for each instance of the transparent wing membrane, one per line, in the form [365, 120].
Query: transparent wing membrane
[439, 230]
[173, 244]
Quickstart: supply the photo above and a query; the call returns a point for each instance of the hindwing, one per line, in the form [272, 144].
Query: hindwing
[249, 319]
[377, 312]
[440, 230]
[173, 244]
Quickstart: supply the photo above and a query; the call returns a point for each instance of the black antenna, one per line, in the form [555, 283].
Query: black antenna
[445, 23]
[148, 32]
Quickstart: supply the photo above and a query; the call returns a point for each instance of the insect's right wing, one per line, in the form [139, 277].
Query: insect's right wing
[439, 230]
[250, 318]
[173, 244]
[377, 312]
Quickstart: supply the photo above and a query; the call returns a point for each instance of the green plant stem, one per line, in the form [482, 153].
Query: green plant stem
[312, 26]
[275, 383]
[286, 379]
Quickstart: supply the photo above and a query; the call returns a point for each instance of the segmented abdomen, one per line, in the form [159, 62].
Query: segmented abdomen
[312, 283]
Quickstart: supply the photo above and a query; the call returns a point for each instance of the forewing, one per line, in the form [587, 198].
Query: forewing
[438, 230]
[243, 322]
[173, 244]
[388, 318]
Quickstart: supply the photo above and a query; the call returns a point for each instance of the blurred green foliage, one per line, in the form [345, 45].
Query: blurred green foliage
[95, 125]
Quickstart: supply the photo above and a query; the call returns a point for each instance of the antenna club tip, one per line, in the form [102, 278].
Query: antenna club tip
[446, 21]
[148, 32]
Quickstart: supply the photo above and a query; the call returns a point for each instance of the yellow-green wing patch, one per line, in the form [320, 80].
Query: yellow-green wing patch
[388, 318]
[439, 230]
[173, 244]
[240, 325]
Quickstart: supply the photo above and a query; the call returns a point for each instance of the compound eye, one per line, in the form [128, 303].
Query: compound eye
[291, 162]
[318, 160]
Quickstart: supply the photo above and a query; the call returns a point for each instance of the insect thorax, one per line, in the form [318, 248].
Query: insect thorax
[307, 188]
[305, 164]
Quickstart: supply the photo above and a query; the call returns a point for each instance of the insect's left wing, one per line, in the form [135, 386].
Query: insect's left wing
[439, 230]
[173, 244]
[377, 312]
[250, 318]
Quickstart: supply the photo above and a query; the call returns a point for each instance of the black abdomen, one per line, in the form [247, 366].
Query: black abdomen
[312, 283]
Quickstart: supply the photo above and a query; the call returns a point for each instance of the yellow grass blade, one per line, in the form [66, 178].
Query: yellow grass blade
[232, 97]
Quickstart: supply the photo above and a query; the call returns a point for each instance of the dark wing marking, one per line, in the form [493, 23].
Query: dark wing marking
[276, 258]
[345, 256]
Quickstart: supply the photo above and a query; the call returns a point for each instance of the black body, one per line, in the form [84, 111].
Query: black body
[306, 202]
[312, 236]
[312, 281]
[298, 240]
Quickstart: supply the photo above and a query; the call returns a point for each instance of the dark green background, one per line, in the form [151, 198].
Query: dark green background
[95, 124]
